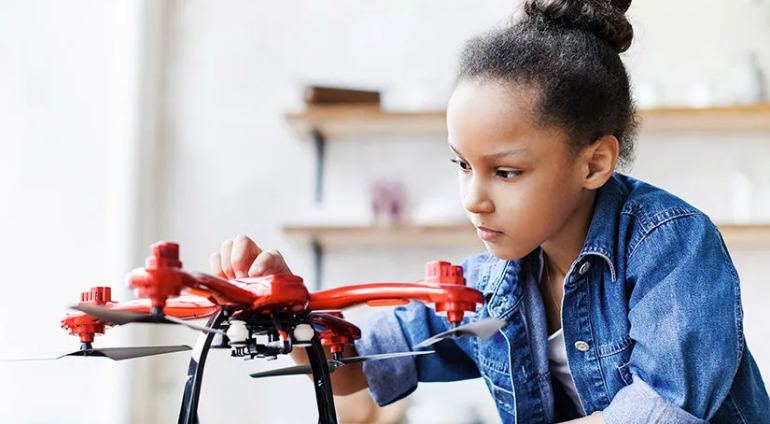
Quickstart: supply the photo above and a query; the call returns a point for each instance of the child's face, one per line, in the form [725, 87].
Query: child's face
[517, 179]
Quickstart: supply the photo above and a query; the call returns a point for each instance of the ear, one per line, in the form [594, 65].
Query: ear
[600, 159]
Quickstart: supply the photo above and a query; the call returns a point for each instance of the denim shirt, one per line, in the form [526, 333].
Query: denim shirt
[652, 322]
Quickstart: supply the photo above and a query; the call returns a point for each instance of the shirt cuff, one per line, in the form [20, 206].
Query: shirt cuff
[392, 379]
[639, 403]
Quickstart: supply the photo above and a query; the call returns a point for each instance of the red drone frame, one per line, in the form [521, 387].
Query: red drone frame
[276, 307]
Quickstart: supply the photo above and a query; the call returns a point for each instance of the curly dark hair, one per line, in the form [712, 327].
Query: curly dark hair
[569, 51]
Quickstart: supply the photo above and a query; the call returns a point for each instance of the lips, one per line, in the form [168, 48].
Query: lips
[488, 234]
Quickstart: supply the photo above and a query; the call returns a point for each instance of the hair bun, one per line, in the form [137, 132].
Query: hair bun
[605, 18]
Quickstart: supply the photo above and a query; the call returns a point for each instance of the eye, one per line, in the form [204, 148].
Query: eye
[463, 166]
[508, 174]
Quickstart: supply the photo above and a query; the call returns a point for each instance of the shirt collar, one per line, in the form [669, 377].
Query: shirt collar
[602, 235]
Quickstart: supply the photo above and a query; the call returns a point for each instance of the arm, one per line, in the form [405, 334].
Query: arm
[398, 330]
[685, 317]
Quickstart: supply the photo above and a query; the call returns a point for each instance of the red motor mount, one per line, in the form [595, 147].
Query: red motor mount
[439, 272]
[160, 278]
[86, 326]
[337, 332]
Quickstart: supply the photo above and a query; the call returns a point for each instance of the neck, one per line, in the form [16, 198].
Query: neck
[565, 245]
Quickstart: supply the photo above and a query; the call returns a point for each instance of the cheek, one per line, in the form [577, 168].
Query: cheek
[524, 201]
[531, 210]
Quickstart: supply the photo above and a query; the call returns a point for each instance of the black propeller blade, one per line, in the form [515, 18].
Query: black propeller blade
[114, 353]
[333, 364]
[484, 329]
[118, 317]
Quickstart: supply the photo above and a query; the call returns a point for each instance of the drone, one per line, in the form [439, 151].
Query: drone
[263, 317]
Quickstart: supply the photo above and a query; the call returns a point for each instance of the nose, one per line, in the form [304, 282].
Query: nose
[476, 199]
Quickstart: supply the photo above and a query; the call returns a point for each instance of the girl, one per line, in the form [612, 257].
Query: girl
[622, 302]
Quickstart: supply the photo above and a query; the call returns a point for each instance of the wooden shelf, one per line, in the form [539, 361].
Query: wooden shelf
[464, 235]
[746, 235]
[407, 235]
[742, 119]
[356, 120]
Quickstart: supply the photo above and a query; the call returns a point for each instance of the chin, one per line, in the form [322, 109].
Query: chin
[506, 253]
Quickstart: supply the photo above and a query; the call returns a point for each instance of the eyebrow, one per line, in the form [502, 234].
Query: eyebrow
[493, 156]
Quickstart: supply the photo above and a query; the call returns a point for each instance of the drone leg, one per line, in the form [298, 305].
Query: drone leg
[188, 413]
[322, 382]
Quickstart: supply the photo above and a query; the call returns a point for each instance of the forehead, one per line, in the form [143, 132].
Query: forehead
[490, 115]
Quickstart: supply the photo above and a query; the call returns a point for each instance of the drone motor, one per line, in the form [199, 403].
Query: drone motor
[303, 334]
[238, 333]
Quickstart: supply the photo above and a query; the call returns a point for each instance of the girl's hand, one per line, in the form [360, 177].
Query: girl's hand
[242, 258]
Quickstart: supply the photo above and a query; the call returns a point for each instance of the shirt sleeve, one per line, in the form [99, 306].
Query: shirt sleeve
[398, 330]
[686, 321]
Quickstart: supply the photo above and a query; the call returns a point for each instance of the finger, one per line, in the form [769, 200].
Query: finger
[267, 263]
[215, 260]
[244, 252]
[284, 269]
[225, 251]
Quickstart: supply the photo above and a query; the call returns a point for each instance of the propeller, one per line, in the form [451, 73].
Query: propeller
[114, 353]
[119, 317]
[484, 329]
[333, 364]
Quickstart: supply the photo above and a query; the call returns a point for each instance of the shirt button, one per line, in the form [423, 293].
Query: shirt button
[584, 268]
[581, 346]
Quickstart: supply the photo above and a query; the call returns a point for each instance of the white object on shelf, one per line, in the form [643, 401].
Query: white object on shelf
[749, 82]
[701, 95]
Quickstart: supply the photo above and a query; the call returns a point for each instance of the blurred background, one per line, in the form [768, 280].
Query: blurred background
[127, 122]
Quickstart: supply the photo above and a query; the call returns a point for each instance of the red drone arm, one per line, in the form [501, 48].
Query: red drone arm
[86, 326]
[444, 287]
[445, 297]
[163, 277]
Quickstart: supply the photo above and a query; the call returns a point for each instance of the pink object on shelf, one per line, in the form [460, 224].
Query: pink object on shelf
[388, 200]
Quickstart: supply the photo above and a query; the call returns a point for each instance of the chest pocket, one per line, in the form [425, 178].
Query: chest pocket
[496, 373]
[614, 358]
[502, 297]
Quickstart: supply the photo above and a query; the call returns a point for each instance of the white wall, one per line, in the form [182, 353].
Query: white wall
[71, 159]
[52, 222]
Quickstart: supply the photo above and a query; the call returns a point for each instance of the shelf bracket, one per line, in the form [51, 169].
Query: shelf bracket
[320, 155]
[318, 257]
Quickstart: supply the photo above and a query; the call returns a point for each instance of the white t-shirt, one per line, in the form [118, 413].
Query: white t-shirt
[557, 359]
